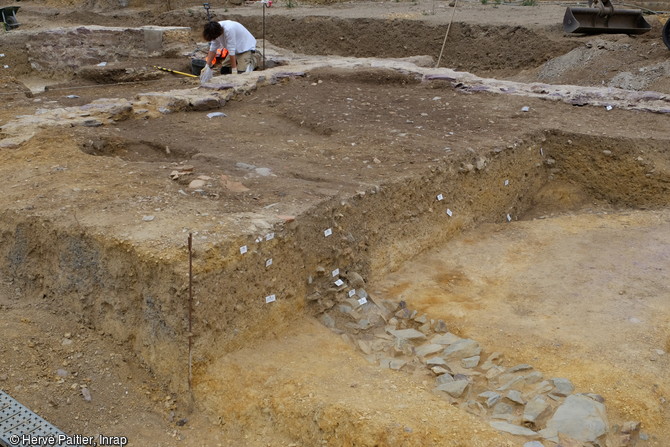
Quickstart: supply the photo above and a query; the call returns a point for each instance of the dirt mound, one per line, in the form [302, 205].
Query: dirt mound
[628, 62]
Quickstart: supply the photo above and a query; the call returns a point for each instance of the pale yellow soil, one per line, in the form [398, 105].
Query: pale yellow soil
[581, 296]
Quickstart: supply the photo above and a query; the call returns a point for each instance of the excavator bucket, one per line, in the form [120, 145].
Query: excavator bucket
[666, 33]
[594, 21]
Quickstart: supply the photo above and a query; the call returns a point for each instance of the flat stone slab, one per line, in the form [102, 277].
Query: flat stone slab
[428, 349]
[407, 334]
[461, 349]
[513, 429]
[455, 388]
[445, 339]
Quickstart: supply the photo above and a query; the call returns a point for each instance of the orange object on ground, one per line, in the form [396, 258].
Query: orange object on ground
[221, 53]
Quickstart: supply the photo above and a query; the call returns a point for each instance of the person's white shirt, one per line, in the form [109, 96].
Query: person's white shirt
[235, 38]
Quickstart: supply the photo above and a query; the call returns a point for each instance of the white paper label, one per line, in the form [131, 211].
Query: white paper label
[335, 272]
[449, 212]
[339, 282]
[506, 182]
[328, 232]
[362, 301]
[352, 292]
[268, 263]
[440, 197]
[269, 236]
[243, 249]
[270, 298]
[509, 218]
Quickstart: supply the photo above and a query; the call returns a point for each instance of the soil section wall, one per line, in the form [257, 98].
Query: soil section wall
[139, 295]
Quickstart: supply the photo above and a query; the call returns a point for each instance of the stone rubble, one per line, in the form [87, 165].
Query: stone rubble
[515, 399]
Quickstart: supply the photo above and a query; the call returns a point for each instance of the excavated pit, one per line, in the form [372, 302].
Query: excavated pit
[135, 150]
[499, 45]
[129, 279]
[393, 166]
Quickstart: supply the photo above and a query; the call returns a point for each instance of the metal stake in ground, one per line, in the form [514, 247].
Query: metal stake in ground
[190, 313]
[206, 6]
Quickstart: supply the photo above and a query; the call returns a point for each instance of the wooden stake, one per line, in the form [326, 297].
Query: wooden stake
[446, 34]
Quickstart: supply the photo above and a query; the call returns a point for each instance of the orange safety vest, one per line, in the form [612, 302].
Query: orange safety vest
[221, 53]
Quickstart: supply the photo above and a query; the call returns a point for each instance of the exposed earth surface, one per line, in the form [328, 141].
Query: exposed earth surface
[384, 252]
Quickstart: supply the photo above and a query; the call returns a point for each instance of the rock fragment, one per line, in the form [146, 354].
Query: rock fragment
[86, 394]
[515, 396]
[535, 410]
[395, 364]
[440, 326]
[455, 388]
[512, 429]
[470, 362]
[491, 398]
[428, 349]
[562, 387]
[444, 378]
[579, 417]
[196, 184]
[463, 348]
[501, 410]
[436, 361]
[407, 334]
[445, 339]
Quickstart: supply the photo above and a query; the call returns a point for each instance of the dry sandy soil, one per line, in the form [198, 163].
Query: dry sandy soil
[555, 252]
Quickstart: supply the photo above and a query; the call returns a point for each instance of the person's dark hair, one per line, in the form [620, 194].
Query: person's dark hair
[212, 31]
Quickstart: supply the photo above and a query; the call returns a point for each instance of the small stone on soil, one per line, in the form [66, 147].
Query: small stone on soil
[444, 378]
[563, 387]
[455, 388]
[491, 398]
[470, 362]
[86, 394]
[515, 396]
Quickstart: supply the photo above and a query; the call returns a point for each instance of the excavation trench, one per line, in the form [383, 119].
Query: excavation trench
[424, 188]
[137, 290]
[129, 47]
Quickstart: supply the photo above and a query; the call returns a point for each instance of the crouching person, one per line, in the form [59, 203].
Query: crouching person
[240, 43]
